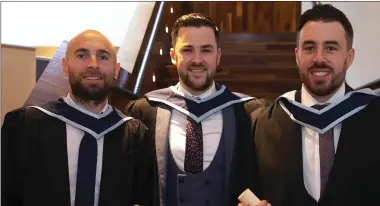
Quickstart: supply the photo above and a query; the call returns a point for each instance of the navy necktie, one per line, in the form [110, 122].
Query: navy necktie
[194, 147]
[86, 173]
[326, 152]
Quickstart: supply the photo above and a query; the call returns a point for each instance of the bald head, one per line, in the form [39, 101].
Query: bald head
[94, 35]
[91, 65]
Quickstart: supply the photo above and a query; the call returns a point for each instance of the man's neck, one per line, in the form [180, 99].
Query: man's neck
[90, 105]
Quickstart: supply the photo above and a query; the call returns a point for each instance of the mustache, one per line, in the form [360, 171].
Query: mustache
[92, 72]
[197, 65]
[320, 66]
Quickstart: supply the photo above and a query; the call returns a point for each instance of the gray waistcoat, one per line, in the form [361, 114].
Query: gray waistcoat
[204, 188]
[208, 187]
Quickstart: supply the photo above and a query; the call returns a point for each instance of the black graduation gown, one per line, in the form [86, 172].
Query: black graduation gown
[34, 162]
[354, 178]
[242, 172]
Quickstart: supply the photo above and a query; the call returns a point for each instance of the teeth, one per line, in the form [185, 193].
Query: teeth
[92, 78]
[320, 74]
[196, 70]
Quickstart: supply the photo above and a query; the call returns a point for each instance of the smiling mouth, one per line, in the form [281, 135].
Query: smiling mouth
[320, 74]
[92, 78]
[197, 69]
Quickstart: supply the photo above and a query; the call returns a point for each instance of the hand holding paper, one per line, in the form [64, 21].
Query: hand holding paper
[247, 198]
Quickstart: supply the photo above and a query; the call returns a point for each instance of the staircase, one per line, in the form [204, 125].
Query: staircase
[256, 61]
[260, 65]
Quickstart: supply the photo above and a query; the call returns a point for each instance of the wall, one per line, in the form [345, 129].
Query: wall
[364, 17]
[49, 23]
[18, 76]
[130, 46]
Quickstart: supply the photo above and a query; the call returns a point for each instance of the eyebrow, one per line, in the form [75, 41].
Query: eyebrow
[104, 51]
[308, 42]
[332, 42]
[207, 46]
[81, 50]
[99, 51]
[325, 42]
[203, 46]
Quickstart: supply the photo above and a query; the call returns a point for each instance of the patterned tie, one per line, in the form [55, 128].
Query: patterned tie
[326, 152]
[194, 147]
[87, 158]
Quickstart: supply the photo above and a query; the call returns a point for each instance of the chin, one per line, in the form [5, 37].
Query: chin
[197, 86]
[323, 90]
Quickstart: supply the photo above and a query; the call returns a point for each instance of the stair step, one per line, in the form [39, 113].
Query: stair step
[259, 60]
[239, 47]
[260, 65]
[257, 47]
[258, 54]
[249, 37]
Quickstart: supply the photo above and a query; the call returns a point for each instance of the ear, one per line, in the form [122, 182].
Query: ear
[350, 57]
[296, 54]
[65, 66]
[116, 71]
[173, 56]
[219, 54]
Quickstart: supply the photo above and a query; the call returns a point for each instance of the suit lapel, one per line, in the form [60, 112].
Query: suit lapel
[162, 128]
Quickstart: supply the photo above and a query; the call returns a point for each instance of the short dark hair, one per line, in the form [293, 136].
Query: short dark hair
[193, 20]
[327, 13]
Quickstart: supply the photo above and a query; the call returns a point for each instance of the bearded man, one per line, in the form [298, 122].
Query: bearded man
[78, 150]
[319, 145]
[201, 130]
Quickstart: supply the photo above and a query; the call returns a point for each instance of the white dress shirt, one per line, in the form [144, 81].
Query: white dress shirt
[211, 128]
[310, 145]
[74, 137]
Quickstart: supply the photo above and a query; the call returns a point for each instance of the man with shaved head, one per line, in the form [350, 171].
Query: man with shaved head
[78, 150]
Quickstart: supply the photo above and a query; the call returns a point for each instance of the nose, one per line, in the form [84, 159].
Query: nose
[93, 62]
[319, 56]
[197, 57]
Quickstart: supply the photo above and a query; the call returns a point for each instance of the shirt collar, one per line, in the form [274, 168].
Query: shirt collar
[73, 104]
[308, 100]
[205, 94]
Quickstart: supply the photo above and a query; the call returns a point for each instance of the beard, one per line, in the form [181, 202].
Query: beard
[324, 88]
[194, 85]
[90, 92]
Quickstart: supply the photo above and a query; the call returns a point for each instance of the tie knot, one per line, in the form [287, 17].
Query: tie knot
[320, 106]
[197, 98]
